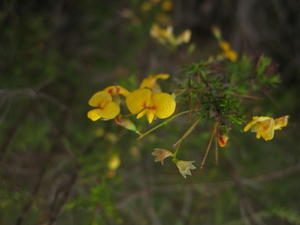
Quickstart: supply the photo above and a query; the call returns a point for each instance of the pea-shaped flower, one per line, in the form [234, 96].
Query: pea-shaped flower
[265, 126]
[105, 107]
[150, 81]
[145, 102]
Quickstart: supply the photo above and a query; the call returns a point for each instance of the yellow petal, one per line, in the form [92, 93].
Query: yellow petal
[150, 81]
[141, 114]
[150, 115]
[155, 31]
[163, 76]
[185, 36]
[164, 105]
[100, 98]
[258, 135]
[116, 90]
[169, 32]
[137, 100]
[224, 45]
[281, 122]
[94, 114]
[216, 32]
[114, 162]
[266, 129]
[249, 125]
[255, 119]
[231, 55]
[110, 111]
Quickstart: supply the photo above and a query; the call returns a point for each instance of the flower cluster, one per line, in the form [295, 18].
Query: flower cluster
[165, 36]
[228, 52]
[147, 101]
[205, 93]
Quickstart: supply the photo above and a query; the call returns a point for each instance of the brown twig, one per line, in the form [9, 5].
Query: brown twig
[187, 133]
[213, 133]
[216, 152]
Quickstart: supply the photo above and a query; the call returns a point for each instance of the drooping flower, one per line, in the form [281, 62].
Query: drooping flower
[222, 139]
[161, 154]
[150, 81]
[105, 107]
[265, 126]
[145, 102]
[185, 167]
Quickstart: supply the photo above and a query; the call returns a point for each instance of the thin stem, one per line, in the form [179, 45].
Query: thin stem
[162, 123]
[187, 133]
[176, 152]
[216, 152]
[209, 144]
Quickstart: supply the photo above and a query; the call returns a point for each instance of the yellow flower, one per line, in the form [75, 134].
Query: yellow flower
[116, 90]
[145, 102]
[161, 34]
[224, 45]
[227, 51]
[161, 155]
[184, 37]
[222, 140]
[150, 81]
[114, 162]
[265, 126]
[216, 32]
[185, 167]
[105, 107]
[166, 36]
[231, 55]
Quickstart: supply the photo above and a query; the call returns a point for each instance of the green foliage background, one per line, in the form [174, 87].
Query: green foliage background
[53, 170]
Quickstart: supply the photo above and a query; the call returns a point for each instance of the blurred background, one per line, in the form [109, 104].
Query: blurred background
[58, 167]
